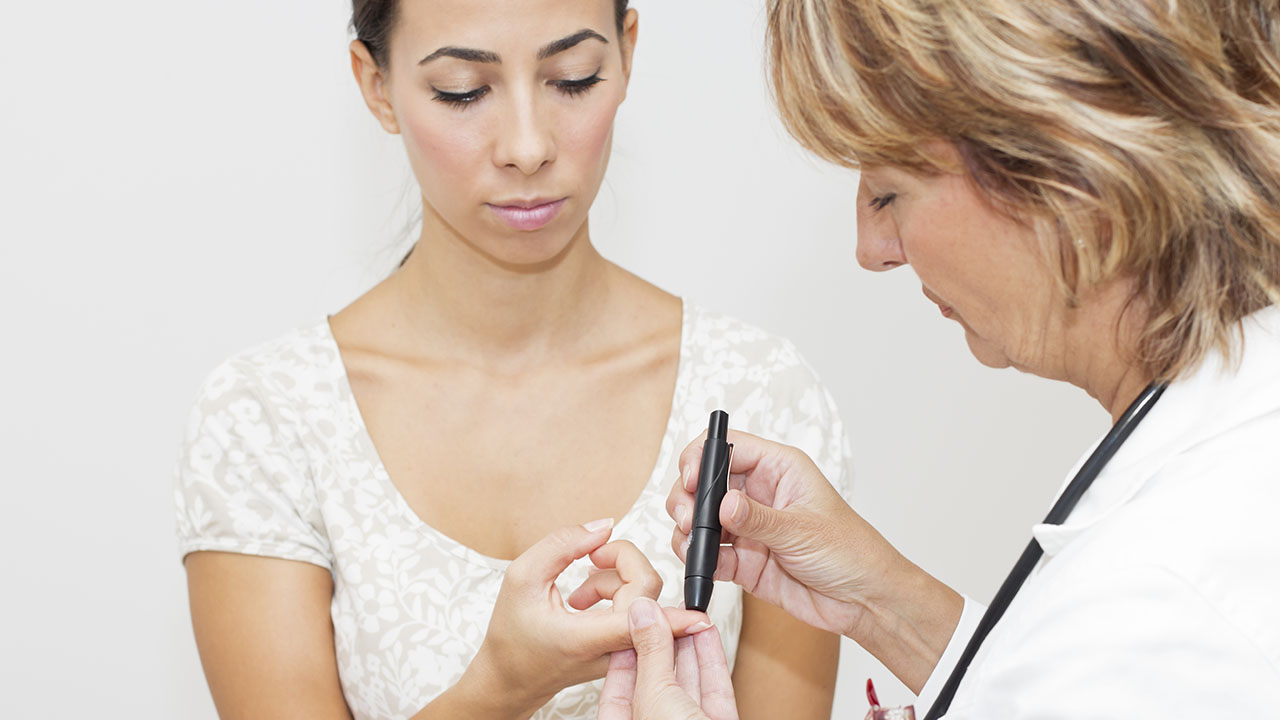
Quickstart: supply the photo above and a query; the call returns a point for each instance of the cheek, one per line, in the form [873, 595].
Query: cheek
[587, 135]
[442, 151]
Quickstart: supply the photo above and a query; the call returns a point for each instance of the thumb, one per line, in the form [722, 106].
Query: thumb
[655, 650]
[747, 518]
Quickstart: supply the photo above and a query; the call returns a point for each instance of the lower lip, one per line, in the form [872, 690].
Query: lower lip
[946, 311]
[532, 218]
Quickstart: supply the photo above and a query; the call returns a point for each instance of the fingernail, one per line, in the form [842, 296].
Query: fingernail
[737, 505]
[684, 476]
[643, 613]
[680, 513]
[598, 525]
[684, 548]
[697, 628]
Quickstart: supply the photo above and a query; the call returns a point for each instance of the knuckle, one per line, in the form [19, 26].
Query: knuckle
[516, 572]
[651, 584]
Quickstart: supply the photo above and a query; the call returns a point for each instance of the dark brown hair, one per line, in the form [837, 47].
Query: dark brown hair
[373, 21]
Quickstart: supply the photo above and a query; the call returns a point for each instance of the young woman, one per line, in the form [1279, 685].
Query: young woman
[380, 513]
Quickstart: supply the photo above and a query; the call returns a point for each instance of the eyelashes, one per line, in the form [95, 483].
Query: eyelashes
[574, 88]
[461, 99]
[880, 202]
[570, 88]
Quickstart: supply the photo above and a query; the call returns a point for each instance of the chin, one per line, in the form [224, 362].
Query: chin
[985, 352]
[530, 250]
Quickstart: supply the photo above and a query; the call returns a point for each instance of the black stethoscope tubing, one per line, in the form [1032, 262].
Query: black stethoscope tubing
[1061, 509]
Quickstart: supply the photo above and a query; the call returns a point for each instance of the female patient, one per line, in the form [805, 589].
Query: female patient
[377, 511]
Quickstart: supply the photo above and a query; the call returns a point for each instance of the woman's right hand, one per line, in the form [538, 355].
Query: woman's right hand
[534, 646]
[792, 541]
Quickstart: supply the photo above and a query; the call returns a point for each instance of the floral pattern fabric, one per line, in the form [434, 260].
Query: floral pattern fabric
[277, 462]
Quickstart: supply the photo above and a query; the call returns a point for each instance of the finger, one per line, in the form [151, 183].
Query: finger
[632, 566]
[687, 666]
[748, 452]
[619, 686]
[717, 697]
[726, 564]
[602, 585]
[683, 513]
[679, 543]
[747, 518]
[547, 558]
[726, 558]
[677, 495]
[688, 463]
[655, 651]
[595, 633]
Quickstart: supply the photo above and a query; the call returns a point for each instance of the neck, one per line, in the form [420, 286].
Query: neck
[1103, 342]
[489, 313]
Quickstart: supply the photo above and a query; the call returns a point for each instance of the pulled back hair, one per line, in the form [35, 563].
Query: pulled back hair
[373, 21]
[1140, 139]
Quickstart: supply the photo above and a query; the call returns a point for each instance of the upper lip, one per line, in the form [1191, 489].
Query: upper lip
[526, 204]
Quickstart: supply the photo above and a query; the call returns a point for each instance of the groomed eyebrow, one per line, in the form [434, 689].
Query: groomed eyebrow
[486, 56]
[565, 43]
[468, 54]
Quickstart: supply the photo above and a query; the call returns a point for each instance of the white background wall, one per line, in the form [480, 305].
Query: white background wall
[181, 179]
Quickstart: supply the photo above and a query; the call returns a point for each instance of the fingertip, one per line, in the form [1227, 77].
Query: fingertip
[731, 508]
[596, 526]
[726, 564]
[642, 613]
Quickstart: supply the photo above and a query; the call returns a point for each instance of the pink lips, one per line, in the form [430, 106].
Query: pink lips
[528, 216]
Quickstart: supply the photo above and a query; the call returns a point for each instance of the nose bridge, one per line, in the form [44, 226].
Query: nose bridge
[879, 247]
[526, 141]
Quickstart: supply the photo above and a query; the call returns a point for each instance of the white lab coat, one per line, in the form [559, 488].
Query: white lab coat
[1160, 595]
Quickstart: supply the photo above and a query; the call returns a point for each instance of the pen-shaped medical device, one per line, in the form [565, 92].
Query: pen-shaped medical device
[704, 536]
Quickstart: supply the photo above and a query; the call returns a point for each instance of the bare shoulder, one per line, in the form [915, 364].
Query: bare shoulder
[364, 324]
[644, 308]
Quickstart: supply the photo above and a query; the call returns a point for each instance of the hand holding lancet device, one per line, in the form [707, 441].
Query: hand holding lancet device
[704, 536]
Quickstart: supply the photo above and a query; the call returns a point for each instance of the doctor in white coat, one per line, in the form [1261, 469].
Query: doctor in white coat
[1091, 189]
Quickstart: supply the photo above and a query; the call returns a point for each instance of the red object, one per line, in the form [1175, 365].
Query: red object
[871, 694]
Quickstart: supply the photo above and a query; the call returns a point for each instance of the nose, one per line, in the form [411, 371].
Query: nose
[526, 141]
[879, 246]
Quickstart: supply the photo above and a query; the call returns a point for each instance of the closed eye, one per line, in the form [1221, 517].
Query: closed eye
[573, 88]
[461, 99]
[880, 202]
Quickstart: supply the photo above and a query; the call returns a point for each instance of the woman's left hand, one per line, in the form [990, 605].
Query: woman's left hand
[664, 678]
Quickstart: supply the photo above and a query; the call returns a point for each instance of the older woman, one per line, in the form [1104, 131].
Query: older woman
[1091, 189]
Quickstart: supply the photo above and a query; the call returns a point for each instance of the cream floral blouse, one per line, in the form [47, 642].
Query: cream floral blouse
[277, 462]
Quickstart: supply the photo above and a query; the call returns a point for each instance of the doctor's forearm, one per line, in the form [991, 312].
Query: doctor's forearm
[908, 623]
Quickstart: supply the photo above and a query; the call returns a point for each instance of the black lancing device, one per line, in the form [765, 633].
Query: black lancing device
[704, 536]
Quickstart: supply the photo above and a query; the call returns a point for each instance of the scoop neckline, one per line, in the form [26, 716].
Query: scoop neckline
[350, 409]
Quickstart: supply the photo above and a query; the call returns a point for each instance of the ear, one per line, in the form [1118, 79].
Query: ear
[630, 31]
[372, 82]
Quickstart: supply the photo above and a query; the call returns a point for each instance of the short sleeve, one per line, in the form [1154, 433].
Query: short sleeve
[242, 482]
[805, 416]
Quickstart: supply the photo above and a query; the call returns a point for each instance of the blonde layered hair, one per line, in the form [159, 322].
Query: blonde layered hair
[1139, 138]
